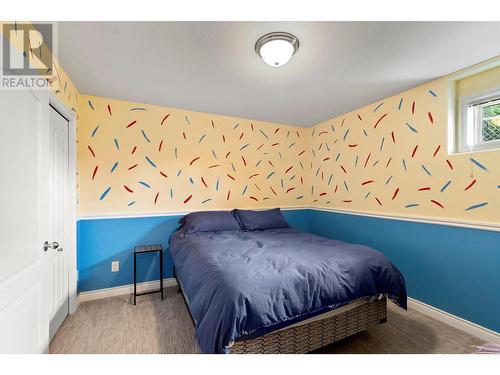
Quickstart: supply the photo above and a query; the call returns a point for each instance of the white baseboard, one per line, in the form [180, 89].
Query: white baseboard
[444, 317]
[454, 321]
[124, 289]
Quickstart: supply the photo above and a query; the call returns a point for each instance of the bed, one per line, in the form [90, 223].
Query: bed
[277, 289]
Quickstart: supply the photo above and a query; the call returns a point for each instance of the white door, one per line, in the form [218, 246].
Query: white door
[58, 178]
[24, 320]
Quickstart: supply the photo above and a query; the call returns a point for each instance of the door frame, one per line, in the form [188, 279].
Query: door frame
[70, 247]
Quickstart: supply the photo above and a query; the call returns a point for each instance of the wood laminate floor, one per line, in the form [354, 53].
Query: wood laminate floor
[115, 325]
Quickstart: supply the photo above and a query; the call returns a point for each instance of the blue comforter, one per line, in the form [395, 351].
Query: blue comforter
[241, 285]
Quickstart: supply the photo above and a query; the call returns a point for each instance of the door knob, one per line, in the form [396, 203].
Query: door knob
[53, 245]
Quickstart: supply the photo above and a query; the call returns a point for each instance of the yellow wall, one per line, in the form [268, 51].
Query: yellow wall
[197, 161]
[383, 185]
[324, 182]
[64, 89]
[479, 83]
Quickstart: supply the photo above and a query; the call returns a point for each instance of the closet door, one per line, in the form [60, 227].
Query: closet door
[24, 146]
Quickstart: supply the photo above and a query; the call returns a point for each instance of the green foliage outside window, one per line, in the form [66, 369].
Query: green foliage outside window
[491, 123]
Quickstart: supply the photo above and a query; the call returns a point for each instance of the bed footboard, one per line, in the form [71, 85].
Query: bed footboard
[316, 334]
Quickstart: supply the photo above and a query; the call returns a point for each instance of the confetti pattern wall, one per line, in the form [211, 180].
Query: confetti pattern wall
[136, 159]
[64, 89]
[391, 158]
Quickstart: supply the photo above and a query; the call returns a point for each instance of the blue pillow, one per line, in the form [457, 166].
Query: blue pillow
[260, 220]
[208, 221]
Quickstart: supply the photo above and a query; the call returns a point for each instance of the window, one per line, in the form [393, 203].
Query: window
[480, 128]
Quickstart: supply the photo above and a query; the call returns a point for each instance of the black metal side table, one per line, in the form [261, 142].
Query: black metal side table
[148, 249]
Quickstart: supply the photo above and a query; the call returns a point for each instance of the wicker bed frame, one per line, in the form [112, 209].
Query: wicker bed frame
[313, 333]
[309, 336]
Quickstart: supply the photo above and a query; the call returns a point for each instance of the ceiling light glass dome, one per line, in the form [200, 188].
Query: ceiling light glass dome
[277, 48]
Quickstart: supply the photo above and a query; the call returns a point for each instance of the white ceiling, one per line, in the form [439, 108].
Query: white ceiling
[212, 66]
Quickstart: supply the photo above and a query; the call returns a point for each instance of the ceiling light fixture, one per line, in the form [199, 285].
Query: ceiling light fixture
[277, 48]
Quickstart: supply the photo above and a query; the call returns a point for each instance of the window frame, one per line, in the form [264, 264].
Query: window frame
[467, 129]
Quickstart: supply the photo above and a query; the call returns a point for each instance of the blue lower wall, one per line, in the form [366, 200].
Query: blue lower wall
[101, 241]
[453, 269]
